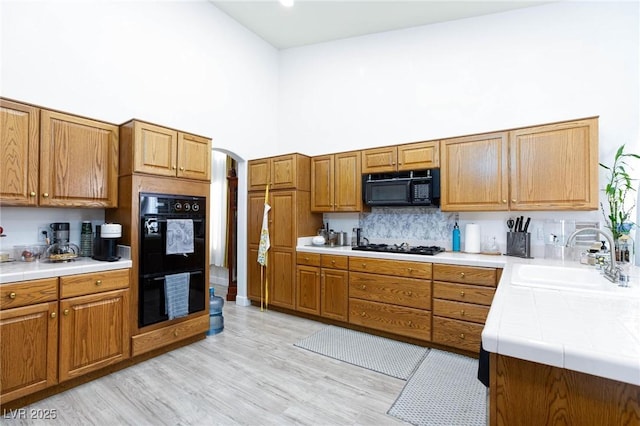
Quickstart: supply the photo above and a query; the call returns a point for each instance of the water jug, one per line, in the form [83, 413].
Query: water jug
[216, 320]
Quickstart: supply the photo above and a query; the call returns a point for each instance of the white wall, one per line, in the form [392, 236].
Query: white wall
[182, 64]
[535, 65]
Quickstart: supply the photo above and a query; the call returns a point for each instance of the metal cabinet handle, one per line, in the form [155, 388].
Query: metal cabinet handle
[175, 333]
[362, 313]
[364, 287]
[462, 293]
[98, 283]
[462, 335]
[182, 169]
[53, 315]
[504, 201]
[65, 312]
[513, 200]
[364, 265]
[45, 195]
[12, 295]
[462, 312]
[461, 274]
[333, 262]
[32, 194]
[410, 270]
[410, 323]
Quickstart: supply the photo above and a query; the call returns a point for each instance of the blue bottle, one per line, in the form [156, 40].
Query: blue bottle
[216, 320]
[456, 237]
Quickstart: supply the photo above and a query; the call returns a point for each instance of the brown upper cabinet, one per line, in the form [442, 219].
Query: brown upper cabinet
[148, 148]
[62, 160]
[411, 156]
[289, 171]
[547, 167]
[20, 143]
[336, 182]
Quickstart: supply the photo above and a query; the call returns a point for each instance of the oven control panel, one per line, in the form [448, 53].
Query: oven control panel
[155, 204]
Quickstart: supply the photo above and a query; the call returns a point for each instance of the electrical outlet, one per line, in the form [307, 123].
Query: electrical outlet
[43, 232]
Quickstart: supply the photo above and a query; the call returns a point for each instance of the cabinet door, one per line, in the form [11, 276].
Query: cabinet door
[19, 142]
[259, 174]
[474, 173]
[78, 161]
[155, 149]
[308, 291]
[322, 183]
[194, 157]
[94, 332]
[335, 294]
[380, 160]
[29, 350]
[555, 167]
[348, 182]
[417, 156]
[283, 279]
[284, 173]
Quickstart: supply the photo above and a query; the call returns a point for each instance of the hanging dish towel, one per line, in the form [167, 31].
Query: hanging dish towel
[179, 236]
[176, 295]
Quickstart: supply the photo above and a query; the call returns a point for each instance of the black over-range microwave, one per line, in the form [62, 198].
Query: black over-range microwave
[414, 188]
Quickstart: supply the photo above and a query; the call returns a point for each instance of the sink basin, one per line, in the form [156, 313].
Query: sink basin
[567, 278]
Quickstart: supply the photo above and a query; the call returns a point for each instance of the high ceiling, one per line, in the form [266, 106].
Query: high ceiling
[316, 21]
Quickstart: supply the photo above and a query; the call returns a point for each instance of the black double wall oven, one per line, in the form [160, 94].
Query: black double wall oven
[154, 262]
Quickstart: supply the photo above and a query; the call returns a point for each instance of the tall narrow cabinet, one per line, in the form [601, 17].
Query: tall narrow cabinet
[290, 217]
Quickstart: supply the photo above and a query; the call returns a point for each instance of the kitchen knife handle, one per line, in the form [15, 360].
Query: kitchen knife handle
[526, 224]
[516, 228]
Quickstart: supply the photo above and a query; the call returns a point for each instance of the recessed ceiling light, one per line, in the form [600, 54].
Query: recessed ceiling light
[286, 3]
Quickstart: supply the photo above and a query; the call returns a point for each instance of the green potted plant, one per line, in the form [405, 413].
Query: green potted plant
[619, 185]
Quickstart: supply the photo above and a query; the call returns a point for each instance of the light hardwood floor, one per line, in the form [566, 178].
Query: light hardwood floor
[249, 374]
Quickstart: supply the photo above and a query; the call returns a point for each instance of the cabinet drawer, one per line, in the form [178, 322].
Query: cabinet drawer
[461, 311]
[408, 292]
[391, 267]
[463, 293]
[457, 334]
[23, 293]
[309, 259]
[165, 336]
[394, 319]
[79, 285]
[465, 274]
[334, 261]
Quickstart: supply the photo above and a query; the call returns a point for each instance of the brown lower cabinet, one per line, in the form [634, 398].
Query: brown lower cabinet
[526, 393]
[323, 291]
[55, 329]
[391, 296]
[439, 303]
[462, 296]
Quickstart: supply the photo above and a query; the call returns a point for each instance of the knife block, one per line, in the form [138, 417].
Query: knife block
[519, 244]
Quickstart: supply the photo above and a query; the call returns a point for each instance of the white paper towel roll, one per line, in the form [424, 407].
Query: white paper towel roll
[472, 238]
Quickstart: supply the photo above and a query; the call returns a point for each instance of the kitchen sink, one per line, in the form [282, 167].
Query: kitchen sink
[569, 279]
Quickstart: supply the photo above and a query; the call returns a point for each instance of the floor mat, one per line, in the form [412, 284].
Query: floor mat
[386, 356]
[444, 390]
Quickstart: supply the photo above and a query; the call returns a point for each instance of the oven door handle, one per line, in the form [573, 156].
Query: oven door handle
[162, 277]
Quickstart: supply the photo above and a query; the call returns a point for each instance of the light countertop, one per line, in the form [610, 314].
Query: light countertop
[592, 332]
[21, 271]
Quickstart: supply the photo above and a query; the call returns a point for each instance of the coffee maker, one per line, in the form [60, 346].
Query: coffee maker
[61, 250]
[105, 243]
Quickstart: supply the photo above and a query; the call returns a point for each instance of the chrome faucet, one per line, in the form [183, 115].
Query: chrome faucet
[611, 272]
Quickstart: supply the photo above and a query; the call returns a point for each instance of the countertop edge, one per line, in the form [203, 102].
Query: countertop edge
[22, 271]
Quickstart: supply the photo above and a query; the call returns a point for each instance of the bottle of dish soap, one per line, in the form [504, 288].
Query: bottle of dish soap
[456, 237]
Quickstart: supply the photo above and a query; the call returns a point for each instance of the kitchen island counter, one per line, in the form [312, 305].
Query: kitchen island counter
[590, 332]
[22, 271]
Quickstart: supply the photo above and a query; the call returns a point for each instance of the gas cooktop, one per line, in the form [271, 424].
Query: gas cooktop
[402, 248]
